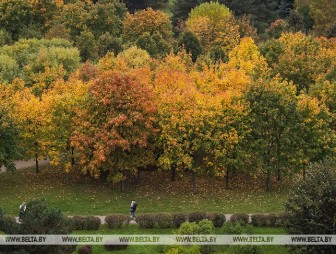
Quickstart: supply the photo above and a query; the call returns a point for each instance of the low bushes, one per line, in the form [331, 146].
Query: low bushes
[146, 220]
[178, 219]
[217, 219]
[164, 220]
[196, 216]
[270, 220]
[117, 220]
[84, 223]
[240, 217]
[110, 246]
[85, 250]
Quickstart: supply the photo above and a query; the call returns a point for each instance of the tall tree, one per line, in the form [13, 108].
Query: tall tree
[9, 133]
[213, 24]
[272, 118]
[150, 30]
[15, 15]
[115, 127]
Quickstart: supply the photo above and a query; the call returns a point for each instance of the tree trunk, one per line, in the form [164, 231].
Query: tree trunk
[279, 175]
[72, 156]
[227, 177]
[122, 186]
[304, 174]
[173, 174]
[194, 182]
[36, 163]
[36, 158]
[268, 180]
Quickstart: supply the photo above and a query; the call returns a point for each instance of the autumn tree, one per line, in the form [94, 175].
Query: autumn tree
[150, 30]
[29, 114]
[9, 133]
[213, 25]
[115, 127]
[302, 59]
[59, 104]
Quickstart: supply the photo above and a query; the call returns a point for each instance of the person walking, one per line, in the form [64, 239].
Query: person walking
[133, 209]
[22, 210]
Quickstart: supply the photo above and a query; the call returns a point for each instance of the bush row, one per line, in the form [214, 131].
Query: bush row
[270, 220]
[84, 222]
[166, 220]
[174, 220]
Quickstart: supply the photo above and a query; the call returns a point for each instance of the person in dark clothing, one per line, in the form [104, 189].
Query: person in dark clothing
[133, 209]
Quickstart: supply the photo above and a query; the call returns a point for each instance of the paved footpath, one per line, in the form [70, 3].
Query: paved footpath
[26, 164]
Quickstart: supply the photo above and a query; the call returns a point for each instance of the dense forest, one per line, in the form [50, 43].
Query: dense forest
[198, 87]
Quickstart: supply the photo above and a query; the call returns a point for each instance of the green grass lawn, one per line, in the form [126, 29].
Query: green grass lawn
[75, 194]
[152, 249]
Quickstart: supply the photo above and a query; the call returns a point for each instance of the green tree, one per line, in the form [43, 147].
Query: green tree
[9, 69]
[263, 12]
[107, 43]
[87, 46]
[313, 206]
[191, 44]
[323, 12]
[15, 15]
[106, 16]
[182, 9]
[272, 119]
[40, 220]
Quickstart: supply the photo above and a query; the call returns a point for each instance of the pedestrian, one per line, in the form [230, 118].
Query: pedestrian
[22, 210]
[133, 209]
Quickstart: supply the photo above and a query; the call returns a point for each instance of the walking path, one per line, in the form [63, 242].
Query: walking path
[26, 164]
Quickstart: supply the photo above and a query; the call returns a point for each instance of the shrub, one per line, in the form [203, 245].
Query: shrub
[6, 223]
[282, 219]
[264, 220]
[178, 219]
[117, 220]
[258, 220]
[189, 228]
[217, 219]
[78, 222]
[85, 250]
[110, 246]
[39, 219]
[232, 228]
[164, 220]
[146, 220]
[313, 206]
[193, 228]
[92, 223]
[242, 217]
[245, 249]
[196, 216]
